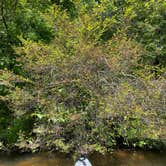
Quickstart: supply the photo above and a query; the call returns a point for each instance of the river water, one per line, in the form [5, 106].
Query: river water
[118, 158]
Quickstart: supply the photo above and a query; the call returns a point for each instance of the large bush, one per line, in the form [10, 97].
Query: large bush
[91, 95]
[91, 76]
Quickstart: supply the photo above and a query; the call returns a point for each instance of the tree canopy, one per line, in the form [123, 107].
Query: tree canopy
[82, 76]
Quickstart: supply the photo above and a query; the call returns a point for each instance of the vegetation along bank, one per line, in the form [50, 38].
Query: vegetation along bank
[82, 75]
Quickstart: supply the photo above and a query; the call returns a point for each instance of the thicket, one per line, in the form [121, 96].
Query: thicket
[82, 76]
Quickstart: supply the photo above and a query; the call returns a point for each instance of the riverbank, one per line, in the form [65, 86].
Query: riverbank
[148, 145]
[82, 76]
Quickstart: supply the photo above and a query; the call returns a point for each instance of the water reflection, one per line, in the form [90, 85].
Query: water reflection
[130, 158]
[118, 158]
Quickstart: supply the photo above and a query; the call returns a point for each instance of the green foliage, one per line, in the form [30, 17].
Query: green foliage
[146, 21]
[17, 18]
[67, 5]
[82, 76]
[12, 119]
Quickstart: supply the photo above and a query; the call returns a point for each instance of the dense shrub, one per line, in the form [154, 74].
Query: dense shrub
[81, 76]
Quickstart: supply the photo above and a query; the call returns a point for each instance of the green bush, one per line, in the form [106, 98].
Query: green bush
[82, 76]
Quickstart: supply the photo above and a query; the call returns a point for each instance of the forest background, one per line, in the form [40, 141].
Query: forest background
[82, 75]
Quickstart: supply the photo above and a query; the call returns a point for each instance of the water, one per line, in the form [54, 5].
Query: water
[118, 158]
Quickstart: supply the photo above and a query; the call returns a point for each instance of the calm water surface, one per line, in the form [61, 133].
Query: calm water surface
[118, 158]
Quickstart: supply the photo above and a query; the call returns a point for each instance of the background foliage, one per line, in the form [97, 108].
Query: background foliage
[82, 76]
